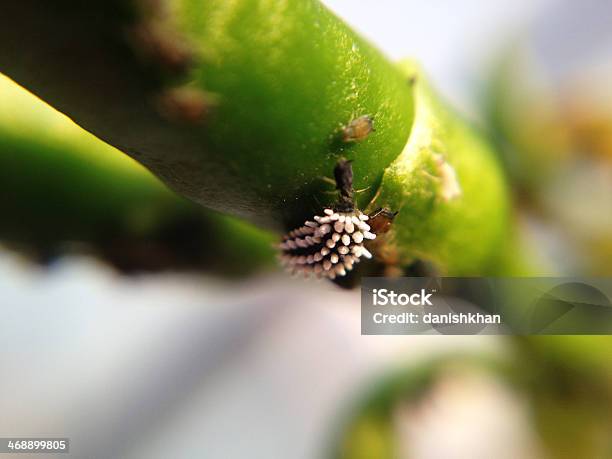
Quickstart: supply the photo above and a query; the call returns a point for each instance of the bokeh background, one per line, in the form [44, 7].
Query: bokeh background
[133, 322]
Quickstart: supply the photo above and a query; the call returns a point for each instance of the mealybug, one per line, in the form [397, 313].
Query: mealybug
[333, 243]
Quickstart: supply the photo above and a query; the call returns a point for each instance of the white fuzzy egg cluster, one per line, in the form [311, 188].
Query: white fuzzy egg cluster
[329, 246]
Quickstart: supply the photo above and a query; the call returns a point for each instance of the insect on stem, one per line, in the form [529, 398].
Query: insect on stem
[358, 129]
[332, 243]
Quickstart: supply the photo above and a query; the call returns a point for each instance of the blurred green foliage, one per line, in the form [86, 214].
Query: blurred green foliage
[565, 381]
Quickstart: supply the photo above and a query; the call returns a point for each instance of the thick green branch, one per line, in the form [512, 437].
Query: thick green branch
[62, 190]
[238, 105]
[278, 79]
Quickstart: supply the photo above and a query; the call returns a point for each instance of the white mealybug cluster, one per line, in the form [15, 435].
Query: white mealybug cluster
[329, 246]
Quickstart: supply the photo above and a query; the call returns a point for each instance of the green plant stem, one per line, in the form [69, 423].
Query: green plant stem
[64, 191]
[239, 105]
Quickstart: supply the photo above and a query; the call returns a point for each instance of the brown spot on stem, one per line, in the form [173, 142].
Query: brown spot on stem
[358, 129]
[184, 104]
[155, 38]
